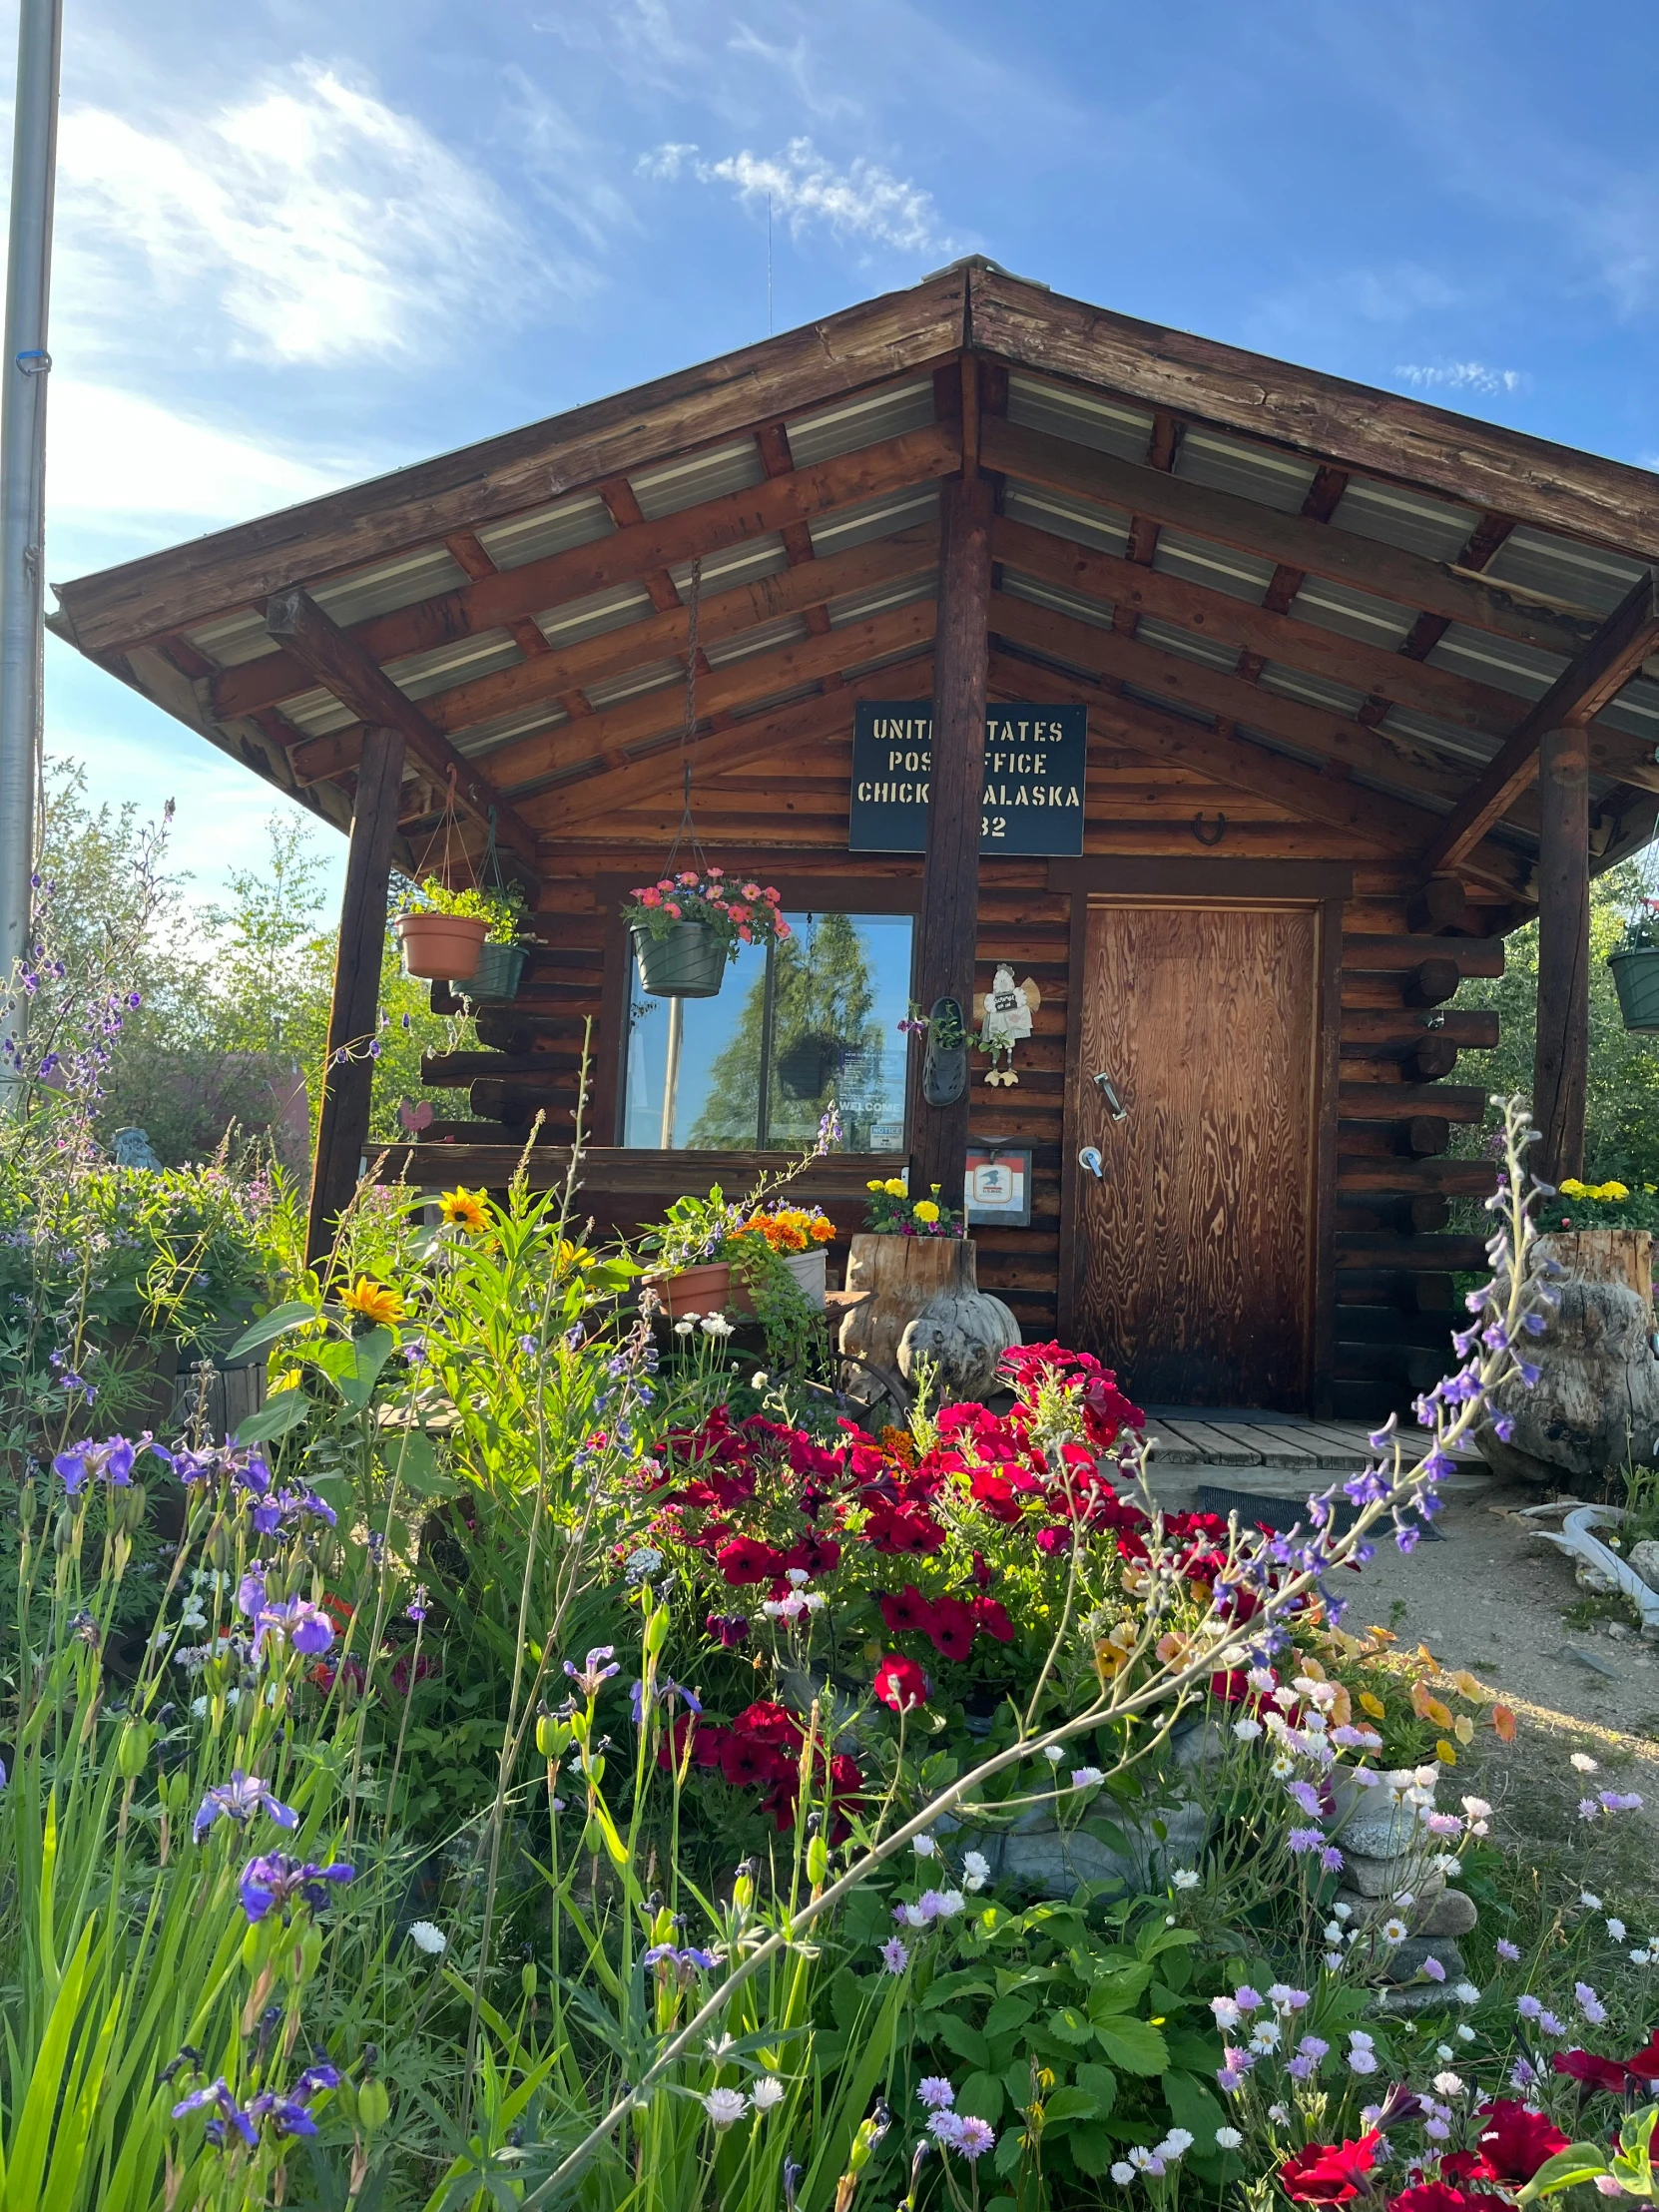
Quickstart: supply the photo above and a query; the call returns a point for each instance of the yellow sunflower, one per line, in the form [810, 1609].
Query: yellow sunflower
[372, 1300]
[571, 1258]
[462, 1209]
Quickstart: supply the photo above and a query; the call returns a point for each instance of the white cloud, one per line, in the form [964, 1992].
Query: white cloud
[1465, 377]
[319, 224]
[805, 188]
[115, 459]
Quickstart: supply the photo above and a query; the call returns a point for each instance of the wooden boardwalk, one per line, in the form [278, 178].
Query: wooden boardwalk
[1277, 1456]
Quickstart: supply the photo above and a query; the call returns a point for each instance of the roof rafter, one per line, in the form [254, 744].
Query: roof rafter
[604, 563]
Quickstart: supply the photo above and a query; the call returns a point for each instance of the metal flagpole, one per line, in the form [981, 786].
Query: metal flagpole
[23, 369]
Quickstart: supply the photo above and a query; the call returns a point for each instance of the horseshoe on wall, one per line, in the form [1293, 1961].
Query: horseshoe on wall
[1206, 836]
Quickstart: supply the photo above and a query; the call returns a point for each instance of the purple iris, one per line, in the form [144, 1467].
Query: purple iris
[218, 2094]
[270, 1882]
[110, 1461]
[239, 1800]
[666, 1689]
[305, 1625]
[589, 1678]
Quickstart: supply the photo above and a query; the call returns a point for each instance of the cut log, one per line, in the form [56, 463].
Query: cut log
[1410, 1251]
[455, 1070]
[1374, 1029]
[1442, 909]
[1431, 982]
[1360, 1172]
[1595, 1406]
[1424, 1135]
[1402, 1101]
[1383, 954]
[1434, 1057]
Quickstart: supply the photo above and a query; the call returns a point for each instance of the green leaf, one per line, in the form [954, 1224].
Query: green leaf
[1578, 2162]
[965, 2041]
[370, 1353]
[275, 1417]
[415, 1464]
[1135, 2045]
[1069, 2024]
[1073, 2103]
[1192, 2106]
[1010, 2152]
[1119, 1991]
[270, 1327]
[1102, 2085]
[981, 2094]
[1092, 2148]
[1007, 2013]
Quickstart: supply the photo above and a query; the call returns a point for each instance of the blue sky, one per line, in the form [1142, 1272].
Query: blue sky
[299, 244]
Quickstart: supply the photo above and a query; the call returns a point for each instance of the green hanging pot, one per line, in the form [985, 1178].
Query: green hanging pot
[690, 962]
[1636, 979]
[498, 971]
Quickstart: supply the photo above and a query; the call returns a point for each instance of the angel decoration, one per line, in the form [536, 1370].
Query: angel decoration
[1005, 1013]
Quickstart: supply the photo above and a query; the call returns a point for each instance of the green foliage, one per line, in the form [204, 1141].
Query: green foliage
[501, 905]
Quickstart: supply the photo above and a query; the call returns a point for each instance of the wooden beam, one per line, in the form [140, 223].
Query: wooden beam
[622, 558]
[947, 931]
[608, 737]
[1479, 463]
[1578, 696]
[1562, 1056]
[723, 614]
[1301, 792]
[868, 347]
[1295, 541]
[347, 1076]
[341, 666]
[791, 732]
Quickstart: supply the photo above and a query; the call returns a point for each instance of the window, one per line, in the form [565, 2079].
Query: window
[796, 1025]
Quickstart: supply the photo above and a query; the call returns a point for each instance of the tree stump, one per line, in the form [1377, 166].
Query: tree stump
[902, 1275]
[1595, 1407]
[962, 1338]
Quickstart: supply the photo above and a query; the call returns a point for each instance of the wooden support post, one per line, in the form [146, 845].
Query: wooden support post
[947, 928]
[1560, 1066]
[342, 1129]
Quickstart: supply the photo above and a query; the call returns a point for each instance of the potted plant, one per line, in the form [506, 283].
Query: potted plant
[1635, 968]
[443, 932]
[798, 1233]
[686, 928]
[691, 1269]
[911, 1251]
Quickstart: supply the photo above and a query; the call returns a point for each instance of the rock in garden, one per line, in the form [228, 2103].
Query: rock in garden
[1386, 1878]
[963, 1334]
[1383, 1834]
[1452, 1912]
[1644, 1557]
[1599, 1389]
[1405, 1962]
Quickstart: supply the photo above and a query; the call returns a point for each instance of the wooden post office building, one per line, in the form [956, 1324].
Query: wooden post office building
[1345, 688]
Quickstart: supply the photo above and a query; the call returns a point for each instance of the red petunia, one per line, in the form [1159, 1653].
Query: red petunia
[1329, 2173]
[1443, 2196]
[1645, 2062]
[746, 1559]
[953, 1628]
[748, 1763]
[906, 1611]
[899, 1683]
[815, 1554]
[1514, 2142]
[770, 1723]
[891, 1531]
[994, 1496]
[1594, 2072]
[990, 1617]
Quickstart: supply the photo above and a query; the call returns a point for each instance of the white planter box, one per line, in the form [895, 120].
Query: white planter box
[810, 1269]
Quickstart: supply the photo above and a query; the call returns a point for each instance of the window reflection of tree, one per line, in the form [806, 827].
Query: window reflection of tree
[825, 1043]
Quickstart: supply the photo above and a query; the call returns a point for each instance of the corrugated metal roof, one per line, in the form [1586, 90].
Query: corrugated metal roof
[488, 737]
[886, 659]
[1432, 527]
[1105, 528]
[419, 675]
[866, 420]
[314, 713]
[875, 518]
[1063, 412]
[578, 520]
[774, 699]
[648, 677]
[1239, 575]
[1581, 575]
[233, 640]
[1249, 471]
[1181, 708]
[592, 617]
[732, 565]
[1501, 662]
[1463, 748]
[1636, 709]
[384, 585]
[1037, 593]
[1355, 614]
[1312, 691]
[1186, 644]
[859, 606]
[687, 482]
[764, 637]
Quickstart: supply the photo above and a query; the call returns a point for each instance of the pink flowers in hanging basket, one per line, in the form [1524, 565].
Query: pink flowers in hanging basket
[745, 915]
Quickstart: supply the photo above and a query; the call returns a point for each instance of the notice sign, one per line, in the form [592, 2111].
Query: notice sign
[1034, 771]
[997, 1186]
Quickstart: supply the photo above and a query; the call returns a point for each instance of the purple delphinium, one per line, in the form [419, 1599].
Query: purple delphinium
[272, 1882]
[239, 1800]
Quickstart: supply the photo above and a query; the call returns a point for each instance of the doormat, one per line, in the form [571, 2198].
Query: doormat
[1282, 1514]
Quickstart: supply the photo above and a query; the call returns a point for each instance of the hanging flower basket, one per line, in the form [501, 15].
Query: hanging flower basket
[687, 927]
[498, 971]
[690, 962]
[1636, 979]
[441, 948]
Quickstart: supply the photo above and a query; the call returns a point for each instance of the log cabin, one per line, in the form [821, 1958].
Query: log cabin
[1355, 686]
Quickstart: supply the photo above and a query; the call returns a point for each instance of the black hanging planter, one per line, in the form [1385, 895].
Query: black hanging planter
[689, 963]
[1636, 979]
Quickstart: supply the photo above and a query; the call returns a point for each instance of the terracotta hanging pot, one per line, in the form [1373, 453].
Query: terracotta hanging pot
[441, 948]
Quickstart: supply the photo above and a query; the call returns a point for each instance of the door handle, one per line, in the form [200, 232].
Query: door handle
[1108, 1091]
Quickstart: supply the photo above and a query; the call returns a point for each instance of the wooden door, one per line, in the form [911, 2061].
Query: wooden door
[1194, 1249]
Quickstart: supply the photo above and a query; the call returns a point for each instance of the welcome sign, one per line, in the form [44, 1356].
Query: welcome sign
[1035, 759]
